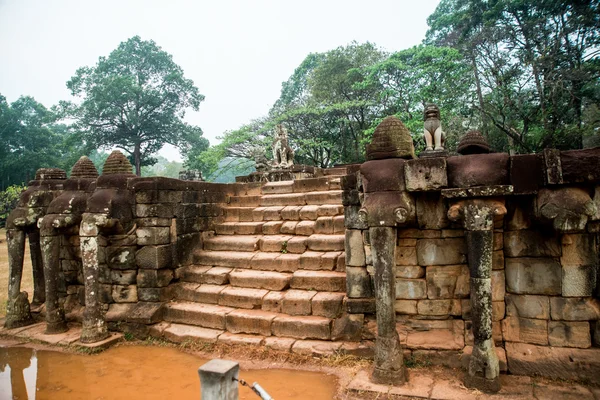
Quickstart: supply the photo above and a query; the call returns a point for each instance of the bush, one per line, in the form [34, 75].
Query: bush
[8, 201]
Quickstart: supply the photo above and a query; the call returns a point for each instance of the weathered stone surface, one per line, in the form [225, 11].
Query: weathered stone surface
[554, 362]
[579, 259]
[519, 213]
[574, 308]
[179, 333]
[327, 304]
[407, 307]
[360, 306]
[447, 282]
[527, 173]
[147, 278]
[326, 242]
[358, 282]
[250, 321]
[529, 243]
[565, 209]
[406, 255]
[297, 302]
[533, 276]
[329, 281]
[498, 285]
[121, 257]
[498, 260]
[478, 170]
[527, 306]
[305, 228]
[383, 175]
[154, 257]
[310, 327]
[280, 344]
[515, 329]
[315, 347]
[425, 174]
[324, 225]
[569, 334]
[259, 279]
[124, 293]
[242, 297]
[153, 235]
[353, 219]
[440, 335]
[355, 250]
[391, 139]
[441, 251]
[411, 289]
[272, 302]
[409, 271]
[431, 211]
[580, 165]
[578, 280]
[439, 307]
[122, 277]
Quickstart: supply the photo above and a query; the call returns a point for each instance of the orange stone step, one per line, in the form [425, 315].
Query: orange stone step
[327, 281]
[233, 259]
[250, 321]
[204, 315]
[206, 274]
[278, 187]
[199, 293]
[239, 228]
[289, 199]
[302, 327]
[270, 280]
[232, 242]
[242, 297]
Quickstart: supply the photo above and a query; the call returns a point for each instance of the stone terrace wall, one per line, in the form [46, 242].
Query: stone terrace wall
[545, 275]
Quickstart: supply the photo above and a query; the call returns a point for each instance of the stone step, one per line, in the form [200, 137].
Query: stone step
[260, 279]
[249, 321]
[245, 201]
[263, 261]
[242, 297]
[239, 228]
[278, 187]
[328, 281]
[179, 333]
[325, 204]
[288, 199]
[199, 293]
[233, 242]
[199, 314]
[204, 274]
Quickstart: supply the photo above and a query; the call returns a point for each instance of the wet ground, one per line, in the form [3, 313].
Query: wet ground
[137, 372]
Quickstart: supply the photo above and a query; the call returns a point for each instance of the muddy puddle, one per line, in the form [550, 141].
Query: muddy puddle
[137, 372]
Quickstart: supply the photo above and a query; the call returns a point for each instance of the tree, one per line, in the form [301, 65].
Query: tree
[135, 100]
[534, 63]
[32, 139]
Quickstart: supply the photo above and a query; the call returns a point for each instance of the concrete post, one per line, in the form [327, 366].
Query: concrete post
[219, 380]
[389, 359]
[478, 218]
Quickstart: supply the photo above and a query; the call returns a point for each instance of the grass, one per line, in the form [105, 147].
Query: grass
[27, 281]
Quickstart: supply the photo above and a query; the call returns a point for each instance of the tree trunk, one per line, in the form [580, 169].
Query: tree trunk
[137, 159]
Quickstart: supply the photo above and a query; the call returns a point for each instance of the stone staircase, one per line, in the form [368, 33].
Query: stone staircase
[272, 272]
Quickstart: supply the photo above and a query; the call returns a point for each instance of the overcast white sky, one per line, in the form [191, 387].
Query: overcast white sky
[237, 52]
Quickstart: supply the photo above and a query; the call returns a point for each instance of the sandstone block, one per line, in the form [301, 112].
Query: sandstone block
[439, 307]
[297, 245]
[447, 282]
[530, 243]
[242, 297]
[574, 309]
[578, 280]
[120, 257]
[409, 271]
[526, 306]
[305, 228]
[498, 285]
[478, 170]
[569, 334]
[272, 302]
[315, 347]
[327, 304]
[271, 227]
[425, 174]
[330, 210]
[259, 279]
[554, 362]
[432, 212]
[250, 321]
[124, 293]
[441, 251]
[122, 277]
[309, 212]
[326, 242]
[578, 249]
[360, 306]
[408, 307]
[310, 327]
[406, 255]
[179, 333]
[339, 224]
[291, 213]
[153, 235]
[535, 331]
[324, 225]
[297, 302]
[154, 257]
[355, 250]
[411, 289]
[329, 260]
[288, 227]
[358, 282]
[280, 344]
[148, 278]
[328, 281]
[269, 213]
[533, 276]
[156, 294]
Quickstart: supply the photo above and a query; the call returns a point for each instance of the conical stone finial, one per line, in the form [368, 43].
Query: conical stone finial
[391, 139]
[84, 168]
[43, 174]
[117, 164]
[473, 142]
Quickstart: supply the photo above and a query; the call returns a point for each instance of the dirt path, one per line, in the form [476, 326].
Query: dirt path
[27, 282]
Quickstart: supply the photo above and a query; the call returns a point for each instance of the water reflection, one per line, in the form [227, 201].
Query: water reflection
[132, 372]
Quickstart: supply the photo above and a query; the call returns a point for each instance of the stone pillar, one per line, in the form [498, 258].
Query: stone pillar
[478, 218]
[389, 359]
[39, 291]
[94, 326]
[17, 313]
[55, 315]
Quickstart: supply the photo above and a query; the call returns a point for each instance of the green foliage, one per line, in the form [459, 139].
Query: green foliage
[163, 167]
[8, 201]
[135, 100]
[534, 64]
[31, 139]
